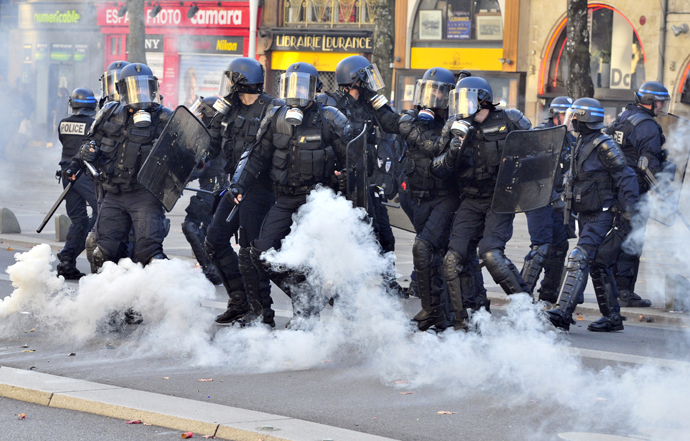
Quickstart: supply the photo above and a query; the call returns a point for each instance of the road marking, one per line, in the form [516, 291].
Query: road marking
[626, 358]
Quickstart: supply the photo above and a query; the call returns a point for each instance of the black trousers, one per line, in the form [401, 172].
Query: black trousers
[83, 193]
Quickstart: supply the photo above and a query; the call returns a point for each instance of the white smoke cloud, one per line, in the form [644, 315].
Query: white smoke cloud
[516, 357]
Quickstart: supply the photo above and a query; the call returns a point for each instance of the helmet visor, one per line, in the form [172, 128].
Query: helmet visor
[109, 84]
[297, 88]
[228, 81]
[464, 102]
[568, 120]
[139, 92]
[432, 94]
[661, 107]
[374, 78]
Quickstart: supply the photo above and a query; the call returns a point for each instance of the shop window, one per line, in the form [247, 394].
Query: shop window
[456, 20]
[327, 78]
[617, 56]
[328, 12]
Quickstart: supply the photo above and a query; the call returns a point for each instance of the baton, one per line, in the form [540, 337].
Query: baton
[198, 190]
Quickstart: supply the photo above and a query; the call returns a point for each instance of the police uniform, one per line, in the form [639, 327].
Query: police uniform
[71, 132]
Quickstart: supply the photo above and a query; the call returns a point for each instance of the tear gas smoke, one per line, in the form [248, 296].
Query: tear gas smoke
[518, 357]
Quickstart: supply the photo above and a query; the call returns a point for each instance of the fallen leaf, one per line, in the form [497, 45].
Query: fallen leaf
[406, 393]
[579, 316]
[205, 381]
[445, 412]
[166, 378]
[32, 329]
[133, 422]
[187, 435]
[21, 416]
[10, 249]
[34, 350]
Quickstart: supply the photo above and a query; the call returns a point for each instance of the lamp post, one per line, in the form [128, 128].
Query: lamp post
[253, 16]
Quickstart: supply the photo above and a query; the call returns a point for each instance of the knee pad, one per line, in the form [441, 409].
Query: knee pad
[190, 228]
[540, 252]
[577, 259]
[99, 257]
[422, 254]
[453, 265]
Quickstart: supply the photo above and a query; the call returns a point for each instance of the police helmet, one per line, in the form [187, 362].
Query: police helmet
[357, 68]
[432, 91]
[470, 92]
[588, 111]
[82, 98]
[560, 104]
[299, 84]
[652, 92]
[244, 75]
[138, 87]
[109, 80]
[203, 107]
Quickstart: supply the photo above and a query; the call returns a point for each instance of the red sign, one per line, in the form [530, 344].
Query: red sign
[208, 16]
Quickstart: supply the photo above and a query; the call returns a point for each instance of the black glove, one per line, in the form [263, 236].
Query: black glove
[235, 190]
[71, 170]
[458, 144]
[366, 94]
[88, 152]
[342, 182]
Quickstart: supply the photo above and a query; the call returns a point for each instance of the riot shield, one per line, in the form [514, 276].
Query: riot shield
[357, 170]
[174, 156]
[528, 169]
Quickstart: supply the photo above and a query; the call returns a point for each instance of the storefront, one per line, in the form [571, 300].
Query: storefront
[188, 44]
[59, 49]
[323, 48]
[479, 36]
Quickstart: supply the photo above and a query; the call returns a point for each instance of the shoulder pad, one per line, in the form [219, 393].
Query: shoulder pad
[326, 100]
[601, 138]
[105, 111]
[338, 121]
[520, 120]
[277, 102]
[407, 117]
[164, 114]
[638, 117]
[610, 152]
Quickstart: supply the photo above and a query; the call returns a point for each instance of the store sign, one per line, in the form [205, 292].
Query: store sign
[54, 16]
[211, 44]
[153, 43]
[67, 17]
[456, 58]
[61, 52]
[322, 43]
[174, 15]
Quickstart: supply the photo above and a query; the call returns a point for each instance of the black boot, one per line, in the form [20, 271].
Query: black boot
[553, 273]
[534, 262]
[237, 308]
[455, 274]
[258, 288]
[68, 269]
[575, 283]
[605, 291]
[632, 300]
[432, 312]
[194, 235]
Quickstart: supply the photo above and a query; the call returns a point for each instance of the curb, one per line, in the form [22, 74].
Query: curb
[164, 410]
[649, 315]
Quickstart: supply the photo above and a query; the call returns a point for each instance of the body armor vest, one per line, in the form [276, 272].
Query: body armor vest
[238, 128]
[71, 132]
[124, 147]
[590, 188]
[417, 165]
[619, 130]
[301, 159]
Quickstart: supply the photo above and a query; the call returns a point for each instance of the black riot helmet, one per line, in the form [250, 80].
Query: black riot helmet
[109, 80]
[138, 87]
[652, 92]
[585, 113]
[203, 107]
[82, 98]
[356, 68]
[299, 84]
[560, 104]
[243, 75]
[471, 94]
[433, 90]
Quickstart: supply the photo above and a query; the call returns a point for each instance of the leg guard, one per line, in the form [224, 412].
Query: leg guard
[575, 283]
[258, 287]
[534, 262]
[195, 236]
[99, 258]
[90, 247]
[432, 313]
[605, 290]
[504, 272]
[553, 273]
[455, 275]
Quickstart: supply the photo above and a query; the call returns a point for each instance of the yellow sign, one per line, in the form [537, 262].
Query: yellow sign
[456, 58]
[322, 61]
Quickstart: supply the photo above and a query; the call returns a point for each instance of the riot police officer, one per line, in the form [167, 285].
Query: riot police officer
[638, 134]
[241, 107]
[547, 232]
[474, 158]
[435, 201]
[212, 178]
[71, 132]
[601, 180]
[123, 135]
[299, 146]
[357, 98]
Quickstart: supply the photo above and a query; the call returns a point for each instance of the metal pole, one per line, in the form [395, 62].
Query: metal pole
[253, 16]
[662, 42]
